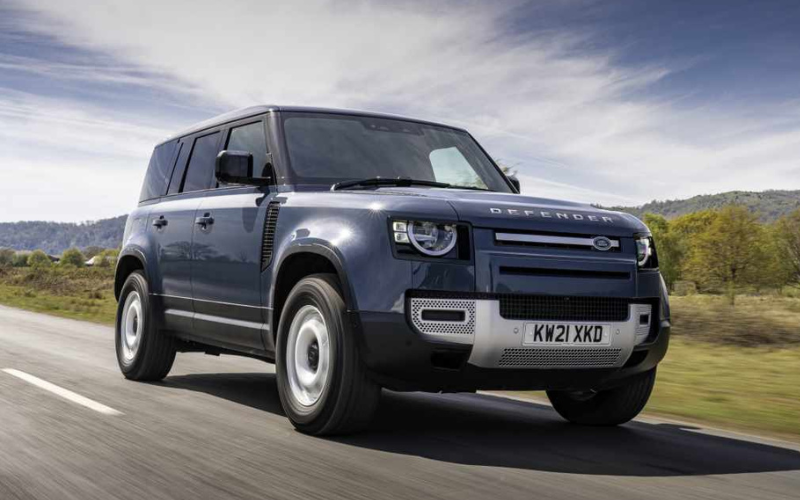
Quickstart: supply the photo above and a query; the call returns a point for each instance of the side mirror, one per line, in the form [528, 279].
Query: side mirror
[236, 167]
[514, 182]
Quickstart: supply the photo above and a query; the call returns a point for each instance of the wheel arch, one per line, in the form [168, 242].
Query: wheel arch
[130, 261]
[299, 262]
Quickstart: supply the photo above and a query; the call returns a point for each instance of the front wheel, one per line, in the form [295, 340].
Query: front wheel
[322, 383]
[608, 407]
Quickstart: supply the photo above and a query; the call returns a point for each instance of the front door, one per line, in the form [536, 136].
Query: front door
[226, 269]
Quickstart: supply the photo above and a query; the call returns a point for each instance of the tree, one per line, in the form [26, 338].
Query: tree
[6, 257]
[20, 259]
[729, 252]
[788, 238]
[72, 257]
[690, 225]
[38, 259]
[91, 251]
[669, 246]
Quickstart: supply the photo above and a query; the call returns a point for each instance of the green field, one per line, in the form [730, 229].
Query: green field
[86, 294]
[753, 389]
[735, 367]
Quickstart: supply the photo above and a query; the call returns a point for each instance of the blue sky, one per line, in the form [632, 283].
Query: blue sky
[596, 101]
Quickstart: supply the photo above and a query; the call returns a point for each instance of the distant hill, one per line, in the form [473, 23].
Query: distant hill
[769, 204]
[55, 237]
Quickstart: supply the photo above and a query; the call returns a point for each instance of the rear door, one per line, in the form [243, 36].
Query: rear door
[226, 270]
[173, 223]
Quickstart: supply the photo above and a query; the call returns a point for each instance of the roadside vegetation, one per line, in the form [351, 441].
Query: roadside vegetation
[734, 360]
[69, 288]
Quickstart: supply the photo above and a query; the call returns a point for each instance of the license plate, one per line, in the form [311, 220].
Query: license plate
[569, 334]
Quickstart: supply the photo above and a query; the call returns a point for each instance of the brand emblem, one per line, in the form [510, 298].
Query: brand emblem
[601, 243]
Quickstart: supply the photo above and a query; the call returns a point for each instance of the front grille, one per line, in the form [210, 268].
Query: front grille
[560, 358]
[563, 308]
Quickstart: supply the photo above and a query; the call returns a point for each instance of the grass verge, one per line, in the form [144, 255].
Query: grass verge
[84, 294]
[752, 389]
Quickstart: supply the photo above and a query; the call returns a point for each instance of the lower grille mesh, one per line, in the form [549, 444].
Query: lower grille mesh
[563, 308]
[466, 327]
[555, 358]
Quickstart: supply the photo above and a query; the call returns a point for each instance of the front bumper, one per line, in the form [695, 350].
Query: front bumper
[488, 351]
[503, 343]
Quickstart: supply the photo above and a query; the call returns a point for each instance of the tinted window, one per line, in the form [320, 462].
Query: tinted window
[200, 172]
[250, 138]
[180, 168]
[325, 149]
[158, 172]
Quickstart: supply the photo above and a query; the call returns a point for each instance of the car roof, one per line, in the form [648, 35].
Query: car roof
[243, 113]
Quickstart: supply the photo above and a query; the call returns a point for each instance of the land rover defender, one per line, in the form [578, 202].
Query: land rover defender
[360, 251]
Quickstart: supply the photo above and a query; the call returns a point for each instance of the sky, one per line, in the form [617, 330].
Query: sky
[610, 102]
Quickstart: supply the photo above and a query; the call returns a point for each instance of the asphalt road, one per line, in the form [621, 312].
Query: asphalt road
[214, 429]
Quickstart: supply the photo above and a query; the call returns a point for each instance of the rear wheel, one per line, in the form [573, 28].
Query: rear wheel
[143, 353]
[323, 385]
[608, 407]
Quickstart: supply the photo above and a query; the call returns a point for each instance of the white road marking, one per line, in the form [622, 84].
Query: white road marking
[64, 393]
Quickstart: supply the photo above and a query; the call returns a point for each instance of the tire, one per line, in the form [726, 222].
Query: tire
[143, 353]
[609, 407]
[323, 385]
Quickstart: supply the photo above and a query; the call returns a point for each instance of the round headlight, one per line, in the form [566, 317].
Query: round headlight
[644, 250]
[431, 238]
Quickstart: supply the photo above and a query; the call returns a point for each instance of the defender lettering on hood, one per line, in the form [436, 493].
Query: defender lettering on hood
[546, 214]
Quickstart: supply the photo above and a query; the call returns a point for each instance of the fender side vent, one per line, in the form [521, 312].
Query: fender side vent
[270, 222]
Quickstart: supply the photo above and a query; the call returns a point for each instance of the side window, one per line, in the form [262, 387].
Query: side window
[200, 171]
[180, 168]
[450, 166]
[158, 172]
[250, 138]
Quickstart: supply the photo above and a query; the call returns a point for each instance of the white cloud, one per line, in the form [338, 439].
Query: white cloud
[579, 124]
[68, 161]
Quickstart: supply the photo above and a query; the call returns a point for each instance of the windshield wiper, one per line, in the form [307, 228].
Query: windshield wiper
[385, 181]
[473, 188]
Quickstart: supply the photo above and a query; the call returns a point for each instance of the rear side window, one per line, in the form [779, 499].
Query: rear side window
[200, 172]
[158, 172]
[180, 167]
[251, 138]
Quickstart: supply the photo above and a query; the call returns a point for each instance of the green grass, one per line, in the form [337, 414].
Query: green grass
[755, 321]
[85, 294]
[730, 367]
[753, 389]
[87, 309]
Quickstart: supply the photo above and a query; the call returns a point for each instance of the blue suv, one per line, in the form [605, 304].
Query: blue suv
[360, 251]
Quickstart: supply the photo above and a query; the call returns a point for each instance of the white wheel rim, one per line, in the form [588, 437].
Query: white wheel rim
[308, 355]
[132, 326]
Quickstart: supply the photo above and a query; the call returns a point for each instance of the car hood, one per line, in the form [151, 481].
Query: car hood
[528, 213]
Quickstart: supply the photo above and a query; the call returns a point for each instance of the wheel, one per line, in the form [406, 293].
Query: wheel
[609, 407]
[322, 383]
[143, 353]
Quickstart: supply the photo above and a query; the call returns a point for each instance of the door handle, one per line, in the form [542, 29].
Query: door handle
[204, 221]
[160, 222]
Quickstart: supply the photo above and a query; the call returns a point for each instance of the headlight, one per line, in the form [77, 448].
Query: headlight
[644, 250]
[430, 238]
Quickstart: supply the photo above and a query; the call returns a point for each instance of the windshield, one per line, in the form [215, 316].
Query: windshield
[330, 148]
